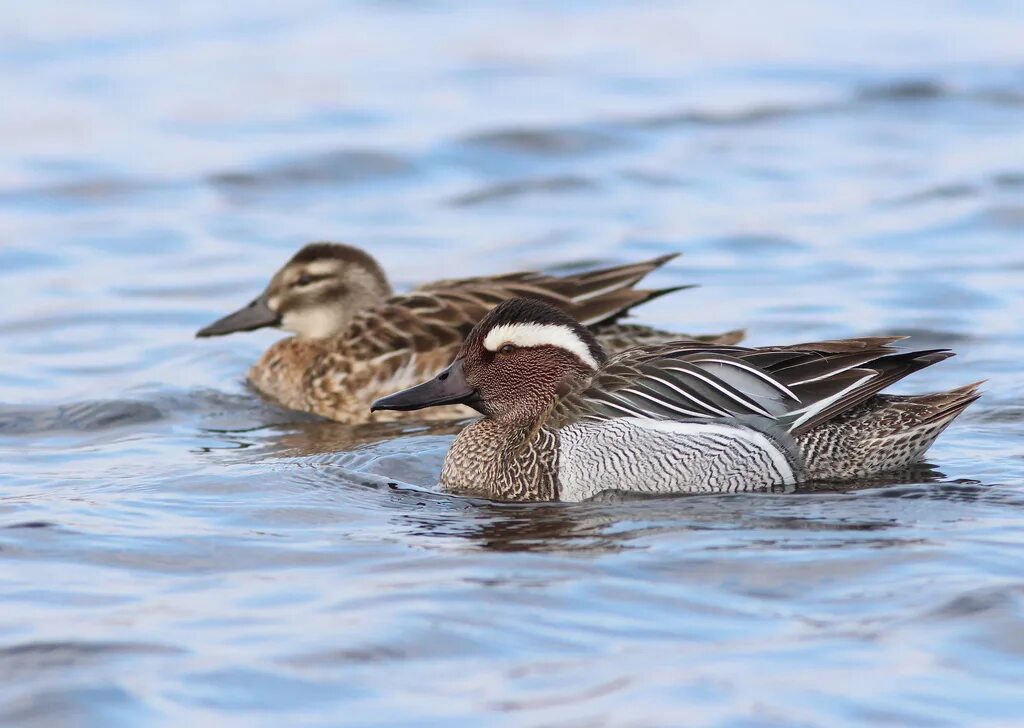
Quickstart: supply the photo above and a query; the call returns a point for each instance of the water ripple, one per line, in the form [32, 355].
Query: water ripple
[177, 551]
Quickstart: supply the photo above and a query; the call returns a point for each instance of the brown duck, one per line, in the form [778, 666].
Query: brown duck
[355, 340]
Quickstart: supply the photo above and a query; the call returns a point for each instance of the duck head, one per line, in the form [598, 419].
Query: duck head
[513, 365]
[314, 295]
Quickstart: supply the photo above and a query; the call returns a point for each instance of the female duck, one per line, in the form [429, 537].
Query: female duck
[562, 421]
[355, 341]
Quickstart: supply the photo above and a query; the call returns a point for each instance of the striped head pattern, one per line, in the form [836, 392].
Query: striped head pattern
[314, 295]
[523, 354]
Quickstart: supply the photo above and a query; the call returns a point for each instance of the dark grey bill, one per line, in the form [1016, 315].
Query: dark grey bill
[448, 387]
[254, 316]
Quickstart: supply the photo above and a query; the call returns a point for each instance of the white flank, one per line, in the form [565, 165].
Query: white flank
[527, 335]
[758, 439]
[660, 456]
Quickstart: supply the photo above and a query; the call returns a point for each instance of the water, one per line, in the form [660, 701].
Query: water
[175, 552]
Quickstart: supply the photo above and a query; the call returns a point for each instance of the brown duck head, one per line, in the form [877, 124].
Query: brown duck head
[315, 295]
[513, 365]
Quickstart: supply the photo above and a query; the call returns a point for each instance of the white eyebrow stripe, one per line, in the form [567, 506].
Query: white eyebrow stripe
[322, 268]
[527, 335]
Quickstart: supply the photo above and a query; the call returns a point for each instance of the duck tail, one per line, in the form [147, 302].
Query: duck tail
[941, 408]
[888, 432]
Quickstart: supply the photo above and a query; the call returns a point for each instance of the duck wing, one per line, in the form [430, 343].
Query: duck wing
[593, 298]
[799, 386]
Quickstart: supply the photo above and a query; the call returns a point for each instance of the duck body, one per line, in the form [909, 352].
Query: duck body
[357, 341]
[564, 422]
[584, 459]
[658, 457]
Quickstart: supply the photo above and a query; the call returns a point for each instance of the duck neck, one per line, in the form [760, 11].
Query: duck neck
[510, 461]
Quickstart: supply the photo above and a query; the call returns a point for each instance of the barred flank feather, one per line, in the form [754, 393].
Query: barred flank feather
[882, 434]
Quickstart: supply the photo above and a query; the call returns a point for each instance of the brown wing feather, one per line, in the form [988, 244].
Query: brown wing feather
[619, 337]
[576, 285]
[594, 297]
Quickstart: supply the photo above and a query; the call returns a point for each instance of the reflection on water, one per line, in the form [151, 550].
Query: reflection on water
[176, 551]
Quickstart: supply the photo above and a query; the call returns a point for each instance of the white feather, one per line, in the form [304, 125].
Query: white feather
[741, 397]
[530, 334]
[659, 456]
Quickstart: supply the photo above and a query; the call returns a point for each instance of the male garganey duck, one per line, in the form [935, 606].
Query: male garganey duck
[563, 421]
[356, 341]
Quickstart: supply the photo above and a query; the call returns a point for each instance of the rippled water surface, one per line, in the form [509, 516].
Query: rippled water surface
[174, 552]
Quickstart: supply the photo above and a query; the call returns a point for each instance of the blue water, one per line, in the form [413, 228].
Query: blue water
[174, 552]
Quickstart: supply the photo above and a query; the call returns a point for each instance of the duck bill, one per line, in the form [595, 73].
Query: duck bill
[448, 387]
[254, 316]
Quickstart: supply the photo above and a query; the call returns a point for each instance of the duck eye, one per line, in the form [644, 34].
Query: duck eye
[507, 348]
[304, 280]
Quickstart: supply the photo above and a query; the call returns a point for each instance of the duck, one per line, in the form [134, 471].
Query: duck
[355, 340]
[564, 421]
